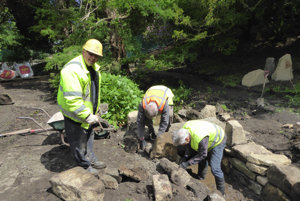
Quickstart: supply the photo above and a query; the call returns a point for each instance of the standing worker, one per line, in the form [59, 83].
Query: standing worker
[79, 99]
[156, 99]
[205, 145]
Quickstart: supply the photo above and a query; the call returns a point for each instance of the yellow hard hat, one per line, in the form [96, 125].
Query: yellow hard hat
[93, 46]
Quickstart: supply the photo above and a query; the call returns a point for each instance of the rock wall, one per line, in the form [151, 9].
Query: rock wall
[270, 176]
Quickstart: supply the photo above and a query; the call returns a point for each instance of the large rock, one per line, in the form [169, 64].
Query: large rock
[268, 160]
[5, 99]
[131, 118]
[256, 168]
[242, 167]
[208, 111]
[108, 181]
[77, 184]
[270, 66]
[114, 172]
[123, 170]
[200, 191]
[262, 180]
[271, 193]
[235, 133]
[215, 121]
[180, 177]
[284, 69]
[244, 180]
[192, 114]
[162, 188]
[168, 166]
[164, 147]
[286, 178]
[254, 78]
[242, 151]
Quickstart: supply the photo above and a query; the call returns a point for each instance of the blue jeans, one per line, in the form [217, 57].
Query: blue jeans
[215, 158]
[81, 142]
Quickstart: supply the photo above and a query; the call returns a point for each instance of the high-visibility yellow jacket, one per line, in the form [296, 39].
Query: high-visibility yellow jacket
[200, 129]
[74, 91]
[158, 94]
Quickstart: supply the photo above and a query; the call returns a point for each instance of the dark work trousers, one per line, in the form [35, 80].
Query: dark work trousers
[81, 142]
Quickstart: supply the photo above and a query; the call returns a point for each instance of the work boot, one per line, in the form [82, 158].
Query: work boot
[92, 170]
[220, 183]
[202, 174]
[98, 165]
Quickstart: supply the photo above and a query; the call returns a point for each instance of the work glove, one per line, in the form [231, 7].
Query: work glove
[143, 144]
[183, 159]
[184, 165]
[92, 119]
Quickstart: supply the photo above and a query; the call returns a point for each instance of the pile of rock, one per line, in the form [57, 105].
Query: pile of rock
[271, 176]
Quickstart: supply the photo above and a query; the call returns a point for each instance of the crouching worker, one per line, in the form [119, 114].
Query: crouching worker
[205, 145]
[157, 99]
[79, 99]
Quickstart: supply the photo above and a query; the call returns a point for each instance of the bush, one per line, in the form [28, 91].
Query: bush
[18, 55]
[122, 95]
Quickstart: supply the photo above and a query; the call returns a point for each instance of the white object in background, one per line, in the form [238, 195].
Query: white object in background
[7, 74]
[24, 70]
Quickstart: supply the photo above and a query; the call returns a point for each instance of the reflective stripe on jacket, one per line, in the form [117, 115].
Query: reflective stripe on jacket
[199, 129]
[74, 91]
[158, 94]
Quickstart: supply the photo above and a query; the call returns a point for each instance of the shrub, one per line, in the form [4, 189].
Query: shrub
[180, 94]
[122, 95]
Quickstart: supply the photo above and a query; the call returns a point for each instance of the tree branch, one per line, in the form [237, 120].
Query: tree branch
[88, 14]
[110, 18]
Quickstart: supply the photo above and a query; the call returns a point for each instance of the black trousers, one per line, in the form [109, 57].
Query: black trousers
[81, 142]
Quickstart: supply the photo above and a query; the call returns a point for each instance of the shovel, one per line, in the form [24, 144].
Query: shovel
[260, 101]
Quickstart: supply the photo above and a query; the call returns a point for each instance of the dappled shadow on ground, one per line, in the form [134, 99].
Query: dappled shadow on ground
[58, 159]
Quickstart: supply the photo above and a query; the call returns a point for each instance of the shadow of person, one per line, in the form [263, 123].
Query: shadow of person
[58, 159]
[54, 138]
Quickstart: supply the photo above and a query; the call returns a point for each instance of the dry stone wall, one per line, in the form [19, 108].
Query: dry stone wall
[270, 176]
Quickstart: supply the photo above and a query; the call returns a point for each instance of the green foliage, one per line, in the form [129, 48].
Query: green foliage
[19, 54]
[224, 107]
[159, 31]
[230, 80]
[122, 95]
[181, 94]
[294, 100]
[9, 34]
[59, 59]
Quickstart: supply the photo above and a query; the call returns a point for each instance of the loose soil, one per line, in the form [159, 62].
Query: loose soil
[28, 161]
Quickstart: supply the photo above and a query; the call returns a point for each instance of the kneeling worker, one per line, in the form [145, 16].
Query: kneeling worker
[79, 99]
[205, 145]
[156, 99]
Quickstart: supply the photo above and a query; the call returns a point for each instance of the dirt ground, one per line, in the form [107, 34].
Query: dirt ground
[28, 161]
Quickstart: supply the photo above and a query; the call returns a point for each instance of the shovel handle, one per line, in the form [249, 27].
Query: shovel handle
[28, 130]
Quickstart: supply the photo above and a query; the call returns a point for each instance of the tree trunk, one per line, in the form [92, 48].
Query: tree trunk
[115, 40]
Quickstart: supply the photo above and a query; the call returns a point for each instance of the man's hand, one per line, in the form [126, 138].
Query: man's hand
[92, 119]
[183, 159]
[184, 165]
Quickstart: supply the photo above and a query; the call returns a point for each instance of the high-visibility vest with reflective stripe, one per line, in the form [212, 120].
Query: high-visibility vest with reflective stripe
[74, 91]
[200, 129]
[158, 94]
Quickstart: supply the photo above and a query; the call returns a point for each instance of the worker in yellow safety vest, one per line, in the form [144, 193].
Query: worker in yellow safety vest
[157, 100]
[205, 145]
[79, 99]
